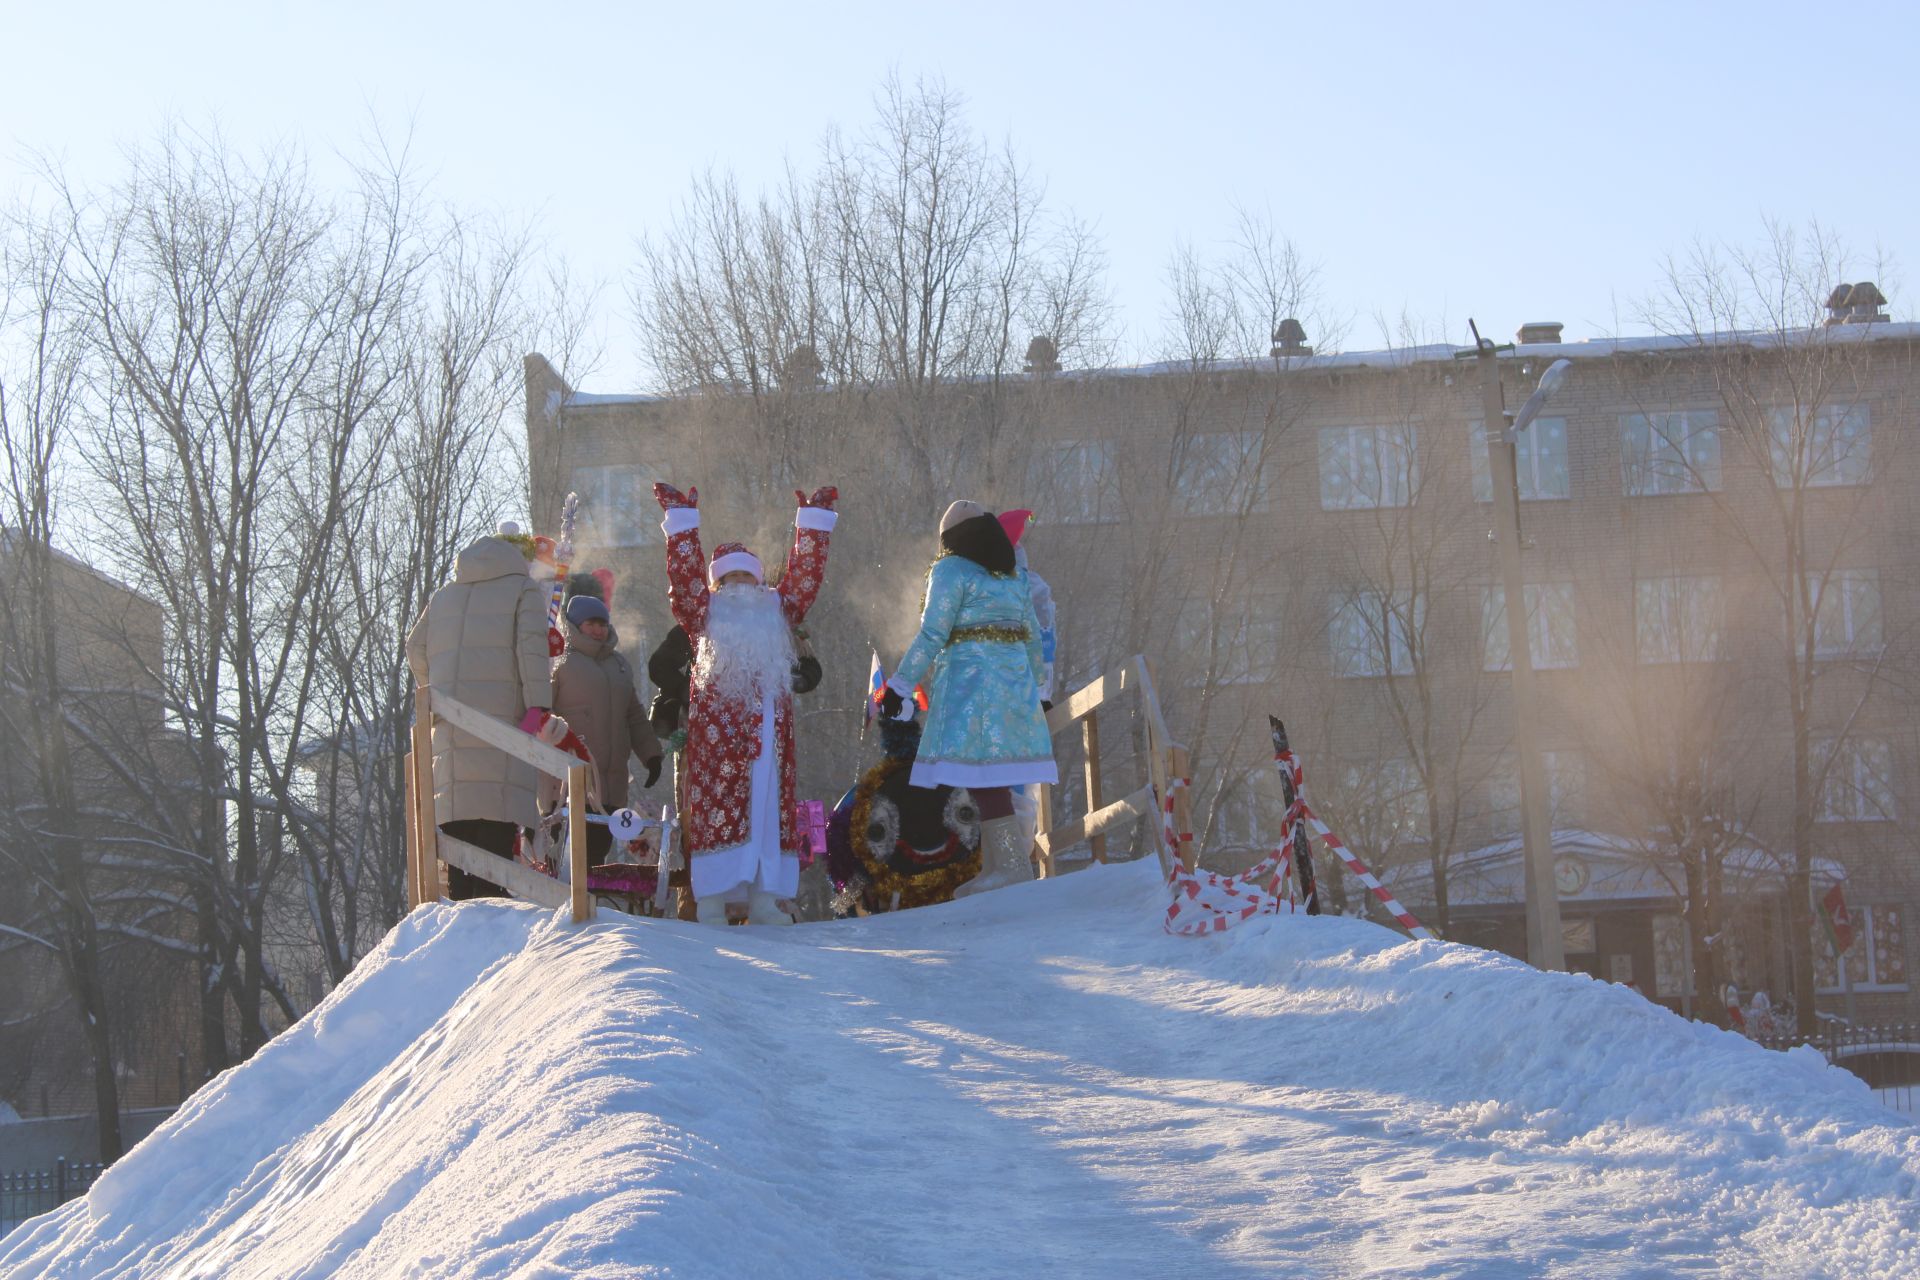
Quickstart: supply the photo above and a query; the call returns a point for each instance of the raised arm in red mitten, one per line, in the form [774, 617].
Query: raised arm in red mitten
[807, 561]
[686, 562]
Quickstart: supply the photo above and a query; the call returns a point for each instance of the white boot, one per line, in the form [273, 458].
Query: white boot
[764, 908]
[1003, 857]
[711, 909]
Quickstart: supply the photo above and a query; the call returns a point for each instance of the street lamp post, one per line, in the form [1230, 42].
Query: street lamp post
[1546, 947]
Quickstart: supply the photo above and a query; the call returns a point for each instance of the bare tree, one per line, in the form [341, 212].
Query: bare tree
[868, 323]
[1412, 556]
[89, 895]
[1793, 393]
[293, 418]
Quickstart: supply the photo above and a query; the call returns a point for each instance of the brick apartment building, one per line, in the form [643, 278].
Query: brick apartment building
[111, 644]
[1310, 536]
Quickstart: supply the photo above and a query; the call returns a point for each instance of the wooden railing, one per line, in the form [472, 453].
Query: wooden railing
[428, 846]
[1166, 759]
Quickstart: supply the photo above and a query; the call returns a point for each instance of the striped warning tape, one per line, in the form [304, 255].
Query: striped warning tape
[1288, 762]
[1207, 902]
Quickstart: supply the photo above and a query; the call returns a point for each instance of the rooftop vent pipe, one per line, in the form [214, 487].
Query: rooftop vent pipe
[1290, 339]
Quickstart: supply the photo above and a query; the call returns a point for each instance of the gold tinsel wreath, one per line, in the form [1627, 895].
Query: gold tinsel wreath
[915, 891]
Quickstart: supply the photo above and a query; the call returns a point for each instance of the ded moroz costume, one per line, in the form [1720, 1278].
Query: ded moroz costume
[740, 827]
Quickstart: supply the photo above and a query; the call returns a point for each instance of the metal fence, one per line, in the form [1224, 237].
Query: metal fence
[1886, 1056]
[36, 1191]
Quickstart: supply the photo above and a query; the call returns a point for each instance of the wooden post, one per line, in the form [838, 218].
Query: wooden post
[426, 846]
[577, 842]
[1043, 822]
[1090, 735]
[1181, 766]
[413, 836]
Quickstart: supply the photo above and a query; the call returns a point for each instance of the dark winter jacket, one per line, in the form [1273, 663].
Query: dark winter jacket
[593, 691]
[670, 667]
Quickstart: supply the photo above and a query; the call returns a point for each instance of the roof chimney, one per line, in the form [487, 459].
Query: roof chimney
[801, 369]
[1856, 304]
[1539, 331]
[1043, 356]
[1290, 339]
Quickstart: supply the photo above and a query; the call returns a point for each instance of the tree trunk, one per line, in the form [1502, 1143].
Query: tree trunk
[1800, 888]
[1710, 1006]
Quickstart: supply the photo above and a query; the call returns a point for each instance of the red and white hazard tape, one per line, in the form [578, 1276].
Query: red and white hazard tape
[1286, 761]
[1207, 902]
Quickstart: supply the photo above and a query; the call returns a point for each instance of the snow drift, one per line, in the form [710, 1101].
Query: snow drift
[1036, 1081]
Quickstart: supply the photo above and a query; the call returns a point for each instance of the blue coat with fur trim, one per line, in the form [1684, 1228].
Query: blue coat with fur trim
[981, 640]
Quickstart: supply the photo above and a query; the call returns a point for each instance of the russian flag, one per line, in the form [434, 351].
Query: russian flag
[876, 681]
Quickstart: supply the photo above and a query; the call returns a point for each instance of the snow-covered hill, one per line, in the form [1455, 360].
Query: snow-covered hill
[1036, 1082]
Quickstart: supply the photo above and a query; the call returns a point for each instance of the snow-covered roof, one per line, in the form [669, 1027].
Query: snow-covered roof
[1585, 349]
[591, 400]
[1617, 869]
[9, 535]
[1435, 353]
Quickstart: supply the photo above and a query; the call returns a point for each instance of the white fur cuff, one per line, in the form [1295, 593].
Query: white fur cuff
[818, 518]
[680, 519]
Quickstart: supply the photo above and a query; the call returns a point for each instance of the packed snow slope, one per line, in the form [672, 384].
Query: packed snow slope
[1036, 1082]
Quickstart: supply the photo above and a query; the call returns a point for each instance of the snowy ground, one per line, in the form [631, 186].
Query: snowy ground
[1036, 1082]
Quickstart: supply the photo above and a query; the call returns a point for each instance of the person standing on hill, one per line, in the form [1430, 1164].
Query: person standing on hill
[670, 667]
[985, 728]
[593, 691]
[739, 821]
[482, 640]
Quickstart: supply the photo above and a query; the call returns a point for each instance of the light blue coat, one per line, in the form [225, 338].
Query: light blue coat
[984, 725]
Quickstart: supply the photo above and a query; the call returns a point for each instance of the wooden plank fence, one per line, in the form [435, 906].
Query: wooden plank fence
[428, 846]
[1166, 760]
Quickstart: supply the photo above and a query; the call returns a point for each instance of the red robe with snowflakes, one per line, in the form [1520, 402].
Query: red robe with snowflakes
[724, 736]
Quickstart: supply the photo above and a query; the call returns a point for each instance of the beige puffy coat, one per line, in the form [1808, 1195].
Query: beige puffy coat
[483, 639]
[593, 691]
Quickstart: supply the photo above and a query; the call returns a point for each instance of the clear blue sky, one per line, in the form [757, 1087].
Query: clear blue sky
[1509, 162]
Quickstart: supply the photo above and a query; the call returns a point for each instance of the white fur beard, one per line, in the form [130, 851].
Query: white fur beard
[747, 651]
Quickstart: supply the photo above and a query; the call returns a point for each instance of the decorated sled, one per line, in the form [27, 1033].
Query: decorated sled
[890, 845]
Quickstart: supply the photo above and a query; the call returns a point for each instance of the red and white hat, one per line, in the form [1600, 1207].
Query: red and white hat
[733, 557]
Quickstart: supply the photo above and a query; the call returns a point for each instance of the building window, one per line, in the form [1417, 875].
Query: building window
[1832, 446]
[1247, 813]
[1550, 631]
[1233, 644]
[1876, 960]
[1846, 612]
[1373, 634]
[1387, 801]
[1365, 467]
[1539, 455]
[1857, 785]
[1221, 473]
[1566, 789]
[1672, 976]
[1669, 453]
[616, 506]
[1078, 480]
[1678, 619]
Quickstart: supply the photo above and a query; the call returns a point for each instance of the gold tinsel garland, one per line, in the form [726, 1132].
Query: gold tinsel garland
[991, 632]
[915, 891]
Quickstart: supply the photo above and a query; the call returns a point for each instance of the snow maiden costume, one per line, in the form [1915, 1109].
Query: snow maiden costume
[740, 827]
[985, 730]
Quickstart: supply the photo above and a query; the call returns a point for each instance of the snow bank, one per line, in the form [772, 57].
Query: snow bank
[1035, 1080]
